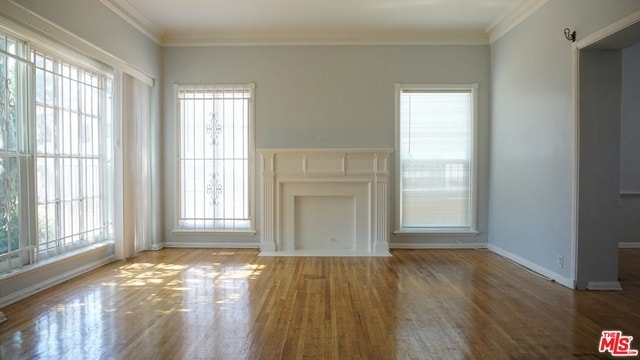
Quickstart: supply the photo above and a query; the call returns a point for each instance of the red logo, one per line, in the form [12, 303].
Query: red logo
[617, 344]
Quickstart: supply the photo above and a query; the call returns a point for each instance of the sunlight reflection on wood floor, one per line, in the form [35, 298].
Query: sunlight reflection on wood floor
[234, 304]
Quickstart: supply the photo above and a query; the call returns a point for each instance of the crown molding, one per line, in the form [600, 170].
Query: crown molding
[512, 17]
[262, 38]
[35, 26]
[134, 17]
[593, 38]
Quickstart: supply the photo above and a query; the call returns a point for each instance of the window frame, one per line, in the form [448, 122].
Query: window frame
[177, 229]
[23, 154]
[471, 229]
[30, 254]
[104, 97]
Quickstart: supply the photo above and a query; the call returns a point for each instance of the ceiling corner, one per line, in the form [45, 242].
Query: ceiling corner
[512, 17]
[131, 15]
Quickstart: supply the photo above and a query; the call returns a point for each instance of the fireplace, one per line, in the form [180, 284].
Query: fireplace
[325, 202]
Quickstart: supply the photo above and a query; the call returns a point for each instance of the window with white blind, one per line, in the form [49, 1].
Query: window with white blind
[55, 155]
[215, 161]
[436, 158]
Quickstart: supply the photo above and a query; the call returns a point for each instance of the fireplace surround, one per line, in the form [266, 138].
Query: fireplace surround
[325, 202]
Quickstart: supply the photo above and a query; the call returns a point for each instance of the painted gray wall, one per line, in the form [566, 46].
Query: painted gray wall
[599, 189]
[630, 148]
[630, 126]
[323, 97]
[533, 132]
[94, 22]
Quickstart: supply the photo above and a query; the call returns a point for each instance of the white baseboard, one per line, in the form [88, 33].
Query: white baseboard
[209, 245]
[50, 282]
[267, 247]
[327, 252]
[381, 248]
[604, 285]
[629, 245]
[560, 279]
[420, 246]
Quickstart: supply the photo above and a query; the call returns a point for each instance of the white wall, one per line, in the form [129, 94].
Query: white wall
[322, 97]
[533, 132]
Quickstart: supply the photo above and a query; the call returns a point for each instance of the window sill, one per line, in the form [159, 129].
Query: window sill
[214, 232]
[57, 258]
[435, 232]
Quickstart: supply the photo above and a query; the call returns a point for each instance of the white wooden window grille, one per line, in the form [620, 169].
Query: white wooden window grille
[215, 158]
[72, 106]
[55, 151]
[436, 156]
[15, 160]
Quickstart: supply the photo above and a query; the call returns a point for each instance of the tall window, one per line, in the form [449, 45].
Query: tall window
[16, 214]
[72, 105]
[55, 156]
[435, 140]
[215, 157]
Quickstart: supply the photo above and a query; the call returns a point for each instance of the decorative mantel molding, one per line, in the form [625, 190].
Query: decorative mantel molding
[359, 175]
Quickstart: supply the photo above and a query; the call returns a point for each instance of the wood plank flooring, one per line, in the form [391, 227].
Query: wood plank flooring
[233, 304]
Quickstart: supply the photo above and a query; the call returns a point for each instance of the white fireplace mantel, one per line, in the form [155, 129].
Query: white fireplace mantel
[325, 201]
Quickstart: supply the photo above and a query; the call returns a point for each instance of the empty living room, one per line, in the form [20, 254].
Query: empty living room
[380, 179]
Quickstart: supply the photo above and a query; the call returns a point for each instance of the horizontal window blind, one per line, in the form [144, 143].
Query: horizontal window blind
[435, 153]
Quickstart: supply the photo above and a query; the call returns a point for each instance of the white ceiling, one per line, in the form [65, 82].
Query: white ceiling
[192, 22]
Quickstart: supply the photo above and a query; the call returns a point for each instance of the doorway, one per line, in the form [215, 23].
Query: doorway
[602, 102]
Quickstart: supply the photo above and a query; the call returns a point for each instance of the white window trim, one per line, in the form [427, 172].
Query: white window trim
[472, 228]
[33, 259]
[177, 141]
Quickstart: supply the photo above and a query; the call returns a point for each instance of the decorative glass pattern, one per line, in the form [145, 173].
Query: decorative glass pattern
[9, 210]
[214, 157]
[11, 65]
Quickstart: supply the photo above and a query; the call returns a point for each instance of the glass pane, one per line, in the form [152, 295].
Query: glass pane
[9, 205]
[435, 155]
[214, 158]
[70, 166]
[8, 103]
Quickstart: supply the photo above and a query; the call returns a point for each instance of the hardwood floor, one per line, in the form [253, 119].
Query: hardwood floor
[232, 304]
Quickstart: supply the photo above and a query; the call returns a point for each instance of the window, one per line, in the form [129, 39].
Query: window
[55, 155]
[215, 150]
[436, 158]
[16, 214]
[71, 107]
